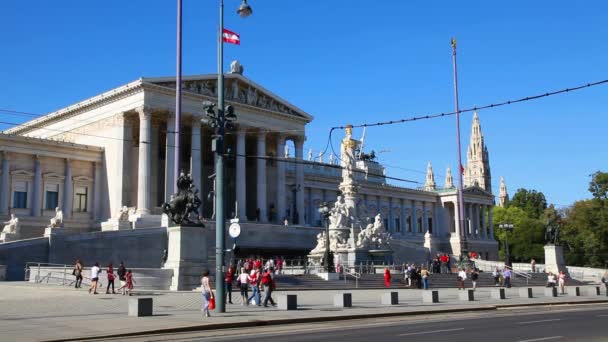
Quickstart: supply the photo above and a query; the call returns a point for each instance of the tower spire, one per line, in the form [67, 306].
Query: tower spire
[449, 180]
[503, 197]
[430, 178]
[477, 171]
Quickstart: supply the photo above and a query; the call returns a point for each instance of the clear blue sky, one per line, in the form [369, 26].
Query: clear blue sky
[350, 62]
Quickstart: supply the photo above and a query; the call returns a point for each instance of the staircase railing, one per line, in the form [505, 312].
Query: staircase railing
[528, 276]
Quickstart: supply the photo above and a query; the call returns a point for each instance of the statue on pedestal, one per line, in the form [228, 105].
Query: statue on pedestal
[552, 235]
[57, 220]
[11, 226]
[183, 206]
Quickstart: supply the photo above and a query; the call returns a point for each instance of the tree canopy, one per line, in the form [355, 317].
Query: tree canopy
[531, 201]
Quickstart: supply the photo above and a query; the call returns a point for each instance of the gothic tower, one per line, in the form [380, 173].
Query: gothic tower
[503, 197]
[430, 178]
[477, 171]
[449, 180]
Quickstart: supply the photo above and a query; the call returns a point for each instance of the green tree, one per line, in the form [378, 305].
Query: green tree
[526, 241]
[585, 234]
[598, 186]
[531, 201]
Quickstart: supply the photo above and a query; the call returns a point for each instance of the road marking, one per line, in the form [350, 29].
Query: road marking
[541, 321]
[430, 332]
[602, 315]
[542, 339]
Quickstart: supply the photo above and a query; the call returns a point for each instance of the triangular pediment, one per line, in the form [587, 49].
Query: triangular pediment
[237, 88]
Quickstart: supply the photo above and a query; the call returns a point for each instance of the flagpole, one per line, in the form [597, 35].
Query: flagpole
[461, 228]
[178, 97]
[220, 217]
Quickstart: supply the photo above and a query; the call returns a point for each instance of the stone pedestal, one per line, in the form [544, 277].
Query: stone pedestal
[187, 256]
[467, 295]
[48, 231]
[328, 276]
[574, 291]
[115, 224]
[287, 302]
[343, 300]
[390, 298]
[146, 221]
[550, 292]
[430, 296]
[525, 292]
[8, 237]
[554, 259]
[498, 294]
[140, 307]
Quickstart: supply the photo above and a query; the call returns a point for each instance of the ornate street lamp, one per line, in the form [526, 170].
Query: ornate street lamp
[507, 227]
[244, 10]
[325, 213]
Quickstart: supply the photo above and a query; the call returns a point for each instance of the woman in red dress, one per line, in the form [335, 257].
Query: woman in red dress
[387, 278]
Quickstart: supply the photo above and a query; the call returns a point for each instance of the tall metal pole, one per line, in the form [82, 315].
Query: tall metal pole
[463, 234]
[220, 223]
[178, 97]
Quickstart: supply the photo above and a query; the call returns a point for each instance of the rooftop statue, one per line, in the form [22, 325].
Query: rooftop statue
[11, 226]
[57, 220]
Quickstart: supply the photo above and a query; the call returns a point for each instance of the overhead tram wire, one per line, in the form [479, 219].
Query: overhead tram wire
[493, 105]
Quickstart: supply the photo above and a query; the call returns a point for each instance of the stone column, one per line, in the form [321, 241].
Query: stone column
[490, 223]
[5, 189]
[391, 217]
[299, 144]
[436, 219]
[414, 218]
[425, 217]
[143, 167]
[241, 179]
[310, 211]
[37, 190]
[281, 197]
[68, 191]
[97, 192]
[261, 178]
[458, 231]
[195, 159]
[169, 157]
[476, 231]
[482, 225]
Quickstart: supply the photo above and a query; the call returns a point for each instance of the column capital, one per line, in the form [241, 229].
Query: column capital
[261, 134]
[144, 112]
[298, 140]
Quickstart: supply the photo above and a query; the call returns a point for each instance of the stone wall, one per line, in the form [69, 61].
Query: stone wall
[17, 253]
[142, 248]
[2, 272]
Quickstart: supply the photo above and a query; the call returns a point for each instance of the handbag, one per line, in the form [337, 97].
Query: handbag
[74, 272]
[212, 303]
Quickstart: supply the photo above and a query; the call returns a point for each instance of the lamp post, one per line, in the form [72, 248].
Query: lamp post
[507, 227]
[218, 146]
[325, 213]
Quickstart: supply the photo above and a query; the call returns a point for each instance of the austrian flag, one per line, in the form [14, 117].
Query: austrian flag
[231, 37]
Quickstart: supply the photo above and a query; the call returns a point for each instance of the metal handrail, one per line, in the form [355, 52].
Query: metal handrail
[523, 275]
[351, 272]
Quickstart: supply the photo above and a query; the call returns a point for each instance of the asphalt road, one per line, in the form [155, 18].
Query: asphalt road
[555, 323]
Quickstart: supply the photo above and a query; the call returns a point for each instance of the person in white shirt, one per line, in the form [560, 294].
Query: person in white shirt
[462, 276]
[243, 281]
[95, 270]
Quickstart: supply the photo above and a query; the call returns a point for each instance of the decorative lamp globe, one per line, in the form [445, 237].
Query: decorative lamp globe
[244, 10]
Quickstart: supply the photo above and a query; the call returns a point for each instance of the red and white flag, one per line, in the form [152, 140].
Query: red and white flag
[231, 37]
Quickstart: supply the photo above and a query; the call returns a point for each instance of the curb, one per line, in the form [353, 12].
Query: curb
[258, 323]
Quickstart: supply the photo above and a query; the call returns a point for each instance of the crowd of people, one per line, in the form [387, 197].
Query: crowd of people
[125, 276]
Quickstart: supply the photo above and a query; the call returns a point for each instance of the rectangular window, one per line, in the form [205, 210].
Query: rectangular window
[419, 224]
[385, 224]
[80, 199]
[398, 225]
[409, 224]
[430, 224]
[20, 199]
[51, 200]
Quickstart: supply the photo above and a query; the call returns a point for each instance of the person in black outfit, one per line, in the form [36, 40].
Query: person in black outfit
[122, 276]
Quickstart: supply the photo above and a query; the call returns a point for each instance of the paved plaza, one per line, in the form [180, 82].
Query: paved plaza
[34, 312]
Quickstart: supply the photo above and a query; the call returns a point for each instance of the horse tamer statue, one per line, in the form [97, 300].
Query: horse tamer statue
[183, 206]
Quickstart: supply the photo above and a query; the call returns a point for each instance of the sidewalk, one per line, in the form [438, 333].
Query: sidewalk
[33, 312]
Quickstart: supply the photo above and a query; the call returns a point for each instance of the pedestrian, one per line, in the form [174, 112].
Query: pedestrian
[269, 286]
[94, 278]
[207, 292]
[496, 275]
[605, 281]
[110, 272]
[387, 277]
[243, 283]
[551, 280]
[410, 271]
[461, 277]
[533, 265]
[444, 263]
[280, 265]
[425, 278]
[130, 282]
[474, 277]
[122, 277]
[254, 282]
[561, 279]
[78, 273]
[229, 279]
[506, 274]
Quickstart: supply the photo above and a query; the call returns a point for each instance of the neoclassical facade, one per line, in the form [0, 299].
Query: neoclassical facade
[128, 134]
